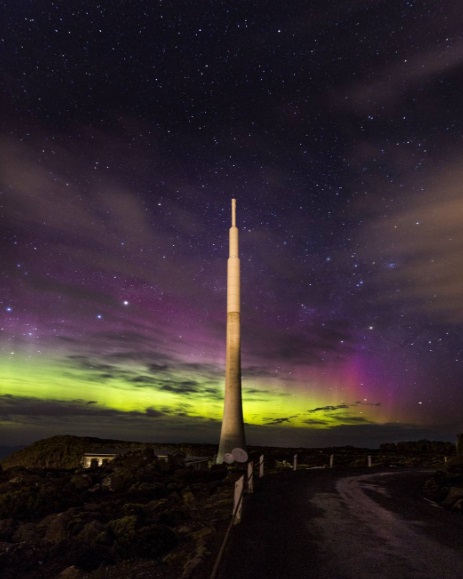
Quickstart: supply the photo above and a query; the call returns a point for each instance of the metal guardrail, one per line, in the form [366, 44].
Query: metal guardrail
[240, 489]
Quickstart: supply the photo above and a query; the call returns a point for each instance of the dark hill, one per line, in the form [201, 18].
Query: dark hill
[66, 451]
[58, 452]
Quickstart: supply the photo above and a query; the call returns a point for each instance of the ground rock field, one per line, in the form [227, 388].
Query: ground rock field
[134, 512]
[139, 516]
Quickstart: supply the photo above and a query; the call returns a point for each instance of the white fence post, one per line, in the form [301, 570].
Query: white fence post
[250, 477]
[295, 462]
[331, 460]
[369, 461]
[238, 500]
[261, 466]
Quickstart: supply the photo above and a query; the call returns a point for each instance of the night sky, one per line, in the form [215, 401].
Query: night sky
[126, 128]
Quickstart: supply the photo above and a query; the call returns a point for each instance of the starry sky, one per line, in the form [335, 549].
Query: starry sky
[127, 126]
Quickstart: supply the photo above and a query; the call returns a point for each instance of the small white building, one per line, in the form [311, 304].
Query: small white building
[101, 456]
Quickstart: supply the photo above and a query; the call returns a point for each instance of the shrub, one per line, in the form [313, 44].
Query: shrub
[136, 509]
[123, 528]
[174, 517]
[154, 541]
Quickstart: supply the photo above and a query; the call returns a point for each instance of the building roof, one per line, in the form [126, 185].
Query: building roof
[106, 452]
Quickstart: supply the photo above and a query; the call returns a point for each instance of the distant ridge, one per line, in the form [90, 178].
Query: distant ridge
[65, 451]
[58, 452]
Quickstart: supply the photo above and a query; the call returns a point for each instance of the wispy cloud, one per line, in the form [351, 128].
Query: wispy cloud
[328, 408]
[14, 407]
[418, 249]
[273, 421]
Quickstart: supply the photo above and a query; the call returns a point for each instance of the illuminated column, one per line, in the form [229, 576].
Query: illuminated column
[232, 434]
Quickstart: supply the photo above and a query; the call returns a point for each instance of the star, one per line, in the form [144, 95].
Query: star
[120, 153]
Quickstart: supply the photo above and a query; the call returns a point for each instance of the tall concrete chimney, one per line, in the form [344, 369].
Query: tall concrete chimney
[232, 434]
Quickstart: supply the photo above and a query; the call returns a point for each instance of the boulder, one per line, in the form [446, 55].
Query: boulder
[454, 498]
[154, 541]
[28, 532]
[7, 529]
[71, 572]
[91, 532]
[81, 481]
[56, 526]
[188, 497]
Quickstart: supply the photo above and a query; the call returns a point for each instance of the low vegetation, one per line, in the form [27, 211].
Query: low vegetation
[142, 517]
[67, 451]
[92, 523]
[446, 485]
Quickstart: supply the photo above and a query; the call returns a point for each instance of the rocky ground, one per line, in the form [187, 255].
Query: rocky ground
[139, 517]
[136, 517]
[445, 487]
